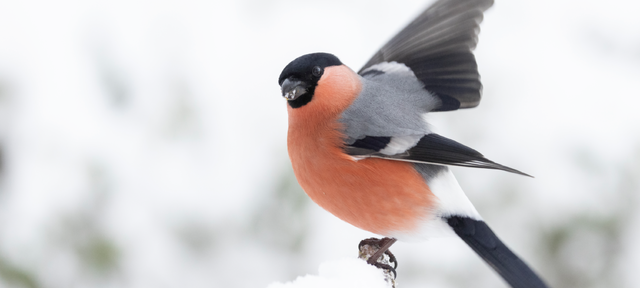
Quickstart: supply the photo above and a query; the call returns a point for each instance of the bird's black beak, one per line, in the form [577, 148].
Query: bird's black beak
[292, 89]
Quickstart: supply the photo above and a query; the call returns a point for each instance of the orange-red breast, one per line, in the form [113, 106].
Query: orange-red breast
[360, 146]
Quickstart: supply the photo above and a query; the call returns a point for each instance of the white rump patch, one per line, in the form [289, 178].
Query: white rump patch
[400, 144]
[451, 201]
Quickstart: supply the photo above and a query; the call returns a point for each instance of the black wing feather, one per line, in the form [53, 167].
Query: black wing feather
[434, 149]
[487, 245]
[437, 47]
[372, 143]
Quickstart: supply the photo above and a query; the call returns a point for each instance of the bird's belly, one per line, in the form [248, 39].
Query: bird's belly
[381, 196]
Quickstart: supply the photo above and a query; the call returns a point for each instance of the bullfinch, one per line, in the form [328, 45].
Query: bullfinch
[360, 146]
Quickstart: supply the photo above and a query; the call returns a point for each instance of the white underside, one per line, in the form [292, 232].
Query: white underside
[451, 201]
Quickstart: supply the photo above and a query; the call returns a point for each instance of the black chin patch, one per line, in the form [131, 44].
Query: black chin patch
[303, 99]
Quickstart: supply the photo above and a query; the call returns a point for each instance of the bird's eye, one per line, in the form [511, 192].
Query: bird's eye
[317, 71]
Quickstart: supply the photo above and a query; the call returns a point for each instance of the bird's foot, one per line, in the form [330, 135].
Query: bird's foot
[374, 249]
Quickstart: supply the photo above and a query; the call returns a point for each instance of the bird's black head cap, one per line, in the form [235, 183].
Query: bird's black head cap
[299, 78]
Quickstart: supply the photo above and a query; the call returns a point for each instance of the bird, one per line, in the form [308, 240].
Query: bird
[360, 146]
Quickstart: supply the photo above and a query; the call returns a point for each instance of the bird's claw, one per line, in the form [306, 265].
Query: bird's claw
[378, 245]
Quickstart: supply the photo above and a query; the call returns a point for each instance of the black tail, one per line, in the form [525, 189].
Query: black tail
[482, 240]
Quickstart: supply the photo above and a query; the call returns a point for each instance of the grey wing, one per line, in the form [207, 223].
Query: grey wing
[386, 121]
[437, 47]
[392, 102]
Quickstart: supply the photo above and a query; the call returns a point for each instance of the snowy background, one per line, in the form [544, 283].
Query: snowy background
[142, 143]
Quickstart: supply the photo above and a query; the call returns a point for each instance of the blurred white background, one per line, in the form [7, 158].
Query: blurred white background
[142, 143]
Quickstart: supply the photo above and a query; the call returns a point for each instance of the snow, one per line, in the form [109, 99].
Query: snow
[346, 272]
